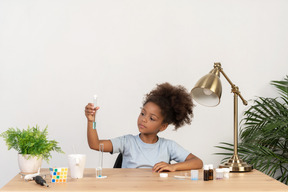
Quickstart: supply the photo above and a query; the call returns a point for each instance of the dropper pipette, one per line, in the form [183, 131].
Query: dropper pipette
[95, 105]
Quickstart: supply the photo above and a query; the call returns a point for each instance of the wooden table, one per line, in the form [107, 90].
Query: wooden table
[145, 180]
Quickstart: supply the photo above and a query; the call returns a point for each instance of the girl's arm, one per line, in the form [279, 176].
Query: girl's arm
[191, 162]
[92, 135]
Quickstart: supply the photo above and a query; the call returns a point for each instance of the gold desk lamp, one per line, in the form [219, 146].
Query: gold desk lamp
[207, 92]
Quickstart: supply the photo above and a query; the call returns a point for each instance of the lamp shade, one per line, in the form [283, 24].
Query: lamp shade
[207, 91]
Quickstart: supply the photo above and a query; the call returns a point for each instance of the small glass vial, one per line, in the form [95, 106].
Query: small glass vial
[206, 173]
[219, 174]
[226, 173]
[194, 174]
[211, 171]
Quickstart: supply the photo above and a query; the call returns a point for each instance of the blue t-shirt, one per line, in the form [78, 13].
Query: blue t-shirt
[137, 154]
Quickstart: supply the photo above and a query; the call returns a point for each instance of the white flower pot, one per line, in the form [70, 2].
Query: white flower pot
[29, 165]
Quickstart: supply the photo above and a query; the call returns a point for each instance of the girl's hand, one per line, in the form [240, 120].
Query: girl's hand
[162, 166]
[90, 112]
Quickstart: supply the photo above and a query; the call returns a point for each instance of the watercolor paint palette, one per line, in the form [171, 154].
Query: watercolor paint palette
[59, 174]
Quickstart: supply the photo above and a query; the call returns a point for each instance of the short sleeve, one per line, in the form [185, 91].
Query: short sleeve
[177, 152]
[118, 144]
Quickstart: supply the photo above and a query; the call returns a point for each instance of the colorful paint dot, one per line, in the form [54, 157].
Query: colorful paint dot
[59, 175]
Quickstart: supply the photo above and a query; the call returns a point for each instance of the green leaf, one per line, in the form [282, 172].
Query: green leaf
[31, 141]
[264, 134]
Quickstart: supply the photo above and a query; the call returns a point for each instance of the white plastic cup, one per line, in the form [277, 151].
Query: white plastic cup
[76, 165]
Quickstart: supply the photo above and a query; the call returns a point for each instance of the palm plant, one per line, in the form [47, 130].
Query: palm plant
[264, 134]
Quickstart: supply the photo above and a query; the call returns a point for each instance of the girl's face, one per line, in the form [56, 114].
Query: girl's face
[150, 119]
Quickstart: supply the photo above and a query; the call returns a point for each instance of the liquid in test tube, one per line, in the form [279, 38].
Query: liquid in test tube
[95, 105]
[100, 165]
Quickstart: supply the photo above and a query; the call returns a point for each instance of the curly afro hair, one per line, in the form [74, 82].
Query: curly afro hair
[175, 103]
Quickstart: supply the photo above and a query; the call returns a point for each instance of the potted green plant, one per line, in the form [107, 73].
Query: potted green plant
[32, 145]
[264, 134]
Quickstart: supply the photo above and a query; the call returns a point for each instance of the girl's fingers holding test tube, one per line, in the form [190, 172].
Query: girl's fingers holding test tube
[90, 111]
[90, 108]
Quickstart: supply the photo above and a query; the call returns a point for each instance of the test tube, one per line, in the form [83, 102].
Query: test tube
[95, 105]
[100, 165]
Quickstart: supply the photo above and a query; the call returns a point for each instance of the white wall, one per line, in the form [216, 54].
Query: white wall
[55, 54]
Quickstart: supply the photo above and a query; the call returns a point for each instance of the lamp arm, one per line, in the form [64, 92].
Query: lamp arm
[234, 88]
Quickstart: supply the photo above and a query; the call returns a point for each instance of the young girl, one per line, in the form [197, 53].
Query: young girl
[164, 105]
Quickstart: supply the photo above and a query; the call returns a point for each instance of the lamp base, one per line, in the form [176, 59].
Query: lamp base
[235, 164]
